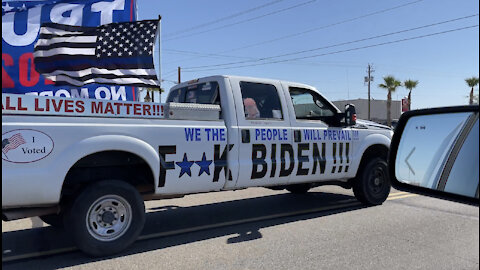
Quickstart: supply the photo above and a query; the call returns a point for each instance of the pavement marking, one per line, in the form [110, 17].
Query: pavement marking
[346, 203]
[401, 197]
[339, 205]
[398, 193]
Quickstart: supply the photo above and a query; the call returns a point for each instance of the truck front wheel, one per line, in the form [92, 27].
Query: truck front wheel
[106, 217]
[372, 184]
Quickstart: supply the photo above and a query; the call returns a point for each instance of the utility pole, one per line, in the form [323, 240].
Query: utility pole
[369, 79]
[179, 71]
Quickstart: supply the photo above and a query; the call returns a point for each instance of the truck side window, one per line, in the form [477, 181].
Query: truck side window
[309, 105]
[260, 101]
[201, 93]
[176, 95]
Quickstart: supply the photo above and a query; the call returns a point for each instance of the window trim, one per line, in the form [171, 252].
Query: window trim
[283, 119]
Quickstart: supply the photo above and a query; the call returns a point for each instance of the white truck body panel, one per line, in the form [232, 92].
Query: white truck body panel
[185, 156]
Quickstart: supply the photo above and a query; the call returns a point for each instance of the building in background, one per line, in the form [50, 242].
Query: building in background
[378, 109]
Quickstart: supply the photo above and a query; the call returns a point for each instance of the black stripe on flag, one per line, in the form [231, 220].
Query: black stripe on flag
[65, 44]
[48, 36]
[63, 83]
[111, 76]
[114, 46]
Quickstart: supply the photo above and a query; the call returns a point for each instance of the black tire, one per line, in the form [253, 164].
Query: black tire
[372, 184]
[271, 188]
[299, 188]
[106, 217]
[54, 220]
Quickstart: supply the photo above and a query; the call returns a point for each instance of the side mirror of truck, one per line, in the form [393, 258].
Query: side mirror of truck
[434, 152]
[350, 115]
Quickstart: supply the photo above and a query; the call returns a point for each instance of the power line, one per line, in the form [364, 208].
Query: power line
[246, 20]
[346, 50]
[336, 45]
[170, 72]
[320, 27]
[200, 54]
[325, 26]
[340, 64]
[207, 54]
[224, 18]
[170, 81]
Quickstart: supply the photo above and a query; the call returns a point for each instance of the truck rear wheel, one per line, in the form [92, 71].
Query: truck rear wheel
[372, 185]
[106, 217]
[299, 188]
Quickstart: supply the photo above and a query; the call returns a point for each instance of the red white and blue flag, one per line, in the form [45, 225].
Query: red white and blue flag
[113, 54]
[12, 143]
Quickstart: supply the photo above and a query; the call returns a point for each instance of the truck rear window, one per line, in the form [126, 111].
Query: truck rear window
[201, 93]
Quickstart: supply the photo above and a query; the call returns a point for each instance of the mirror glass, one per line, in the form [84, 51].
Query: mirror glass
[440, 151]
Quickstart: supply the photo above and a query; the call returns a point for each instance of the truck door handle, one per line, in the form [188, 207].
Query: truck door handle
[245, 135]
[297, 135]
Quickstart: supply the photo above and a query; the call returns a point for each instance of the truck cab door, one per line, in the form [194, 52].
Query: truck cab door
[265, 137]
[323, 148]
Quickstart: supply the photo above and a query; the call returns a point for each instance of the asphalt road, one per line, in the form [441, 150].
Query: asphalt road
[262, 229]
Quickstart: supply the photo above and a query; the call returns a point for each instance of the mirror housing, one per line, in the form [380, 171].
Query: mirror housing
[350, 115]
[434, 152]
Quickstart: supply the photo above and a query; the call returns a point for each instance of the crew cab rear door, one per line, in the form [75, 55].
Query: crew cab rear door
[199, 156]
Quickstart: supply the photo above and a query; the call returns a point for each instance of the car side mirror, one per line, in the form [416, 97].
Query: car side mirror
[434, 152]
[350, 115]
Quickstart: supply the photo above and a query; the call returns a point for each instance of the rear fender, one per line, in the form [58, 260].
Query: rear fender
[102, 143]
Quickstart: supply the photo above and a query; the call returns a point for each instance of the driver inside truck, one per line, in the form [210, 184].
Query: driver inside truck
[251, 110]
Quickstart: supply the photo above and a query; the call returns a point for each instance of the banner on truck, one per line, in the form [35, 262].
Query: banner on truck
[76, 107]
[21, 22]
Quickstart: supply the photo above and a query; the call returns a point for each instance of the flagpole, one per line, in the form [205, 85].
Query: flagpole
[159, 58]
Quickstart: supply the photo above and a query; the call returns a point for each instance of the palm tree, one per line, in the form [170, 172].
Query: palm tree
[391, 84]
[151, 98]
[472, 82]
[410, 84]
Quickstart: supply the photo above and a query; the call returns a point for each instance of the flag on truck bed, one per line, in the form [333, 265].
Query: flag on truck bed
[116, 54]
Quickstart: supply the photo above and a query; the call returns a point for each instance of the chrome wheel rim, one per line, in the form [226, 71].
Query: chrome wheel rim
[109, 217]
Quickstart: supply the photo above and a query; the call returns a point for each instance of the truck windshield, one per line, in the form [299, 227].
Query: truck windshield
[201, 93]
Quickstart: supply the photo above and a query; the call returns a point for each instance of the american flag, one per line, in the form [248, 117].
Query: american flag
[12, 142]
[116, 54]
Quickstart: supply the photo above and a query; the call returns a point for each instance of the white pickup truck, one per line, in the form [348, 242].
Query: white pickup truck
[88, 165]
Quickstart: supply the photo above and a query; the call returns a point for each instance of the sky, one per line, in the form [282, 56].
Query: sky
[326, 44]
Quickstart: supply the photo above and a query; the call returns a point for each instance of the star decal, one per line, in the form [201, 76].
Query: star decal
[22, 8]
[204, 165]
[125, 40]
[7, 8]
[185, 166]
